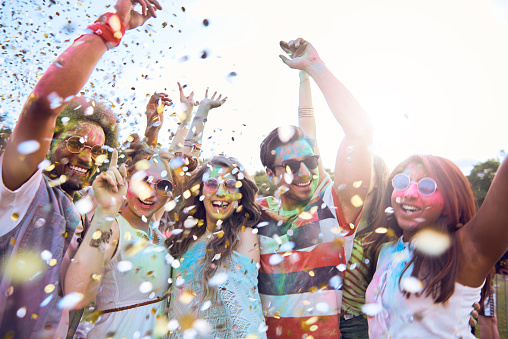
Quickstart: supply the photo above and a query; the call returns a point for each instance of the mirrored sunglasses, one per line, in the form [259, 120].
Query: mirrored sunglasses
[426, 186]
[163, 187]
[212, 185]
[74, 145]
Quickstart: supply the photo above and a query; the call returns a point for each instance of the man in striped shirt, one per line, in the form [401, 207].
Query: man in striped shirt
[306, 236]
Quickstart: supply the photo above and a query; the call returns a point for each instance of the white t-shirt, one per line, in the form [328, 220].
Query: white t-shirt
[16, 202]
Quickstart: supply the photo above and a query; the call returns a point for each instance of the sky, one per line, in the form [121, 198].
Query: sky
[431, 74]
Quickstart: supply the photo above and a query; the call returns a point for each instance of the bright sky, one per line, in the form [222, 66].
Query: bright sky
[431, 74]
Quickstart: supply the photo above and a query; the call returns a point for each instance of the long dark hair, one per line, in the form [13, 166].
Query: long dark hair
[246, 215]
[436, 272]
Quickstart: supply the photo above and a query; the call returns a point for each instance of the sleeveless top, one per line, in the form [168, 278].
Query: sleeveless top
[398, 316]
[237, 311]
[137, 273]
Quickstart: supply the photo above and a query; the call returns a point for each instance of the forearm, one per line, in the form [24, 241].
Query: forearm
[192, 145]
[346, 109]
[85, 271]
[177, 143]
[152, 135]
[306, 119]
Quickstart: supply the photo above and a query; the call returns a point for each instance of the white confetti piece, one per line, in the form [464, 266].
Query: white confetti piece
[28, 147]
[218, 279]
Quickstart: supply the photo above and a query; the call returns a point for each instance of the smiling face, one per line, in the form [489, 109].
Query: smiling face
[300, 188]
[222, 202]
[78, 168]
[142, 198]
[412, 209]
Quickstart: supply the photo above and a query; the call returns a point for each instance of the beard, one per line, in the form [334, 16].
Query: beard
[71, 186]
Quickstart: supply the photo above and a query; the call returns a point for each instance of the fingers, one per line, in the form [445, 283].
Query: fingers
[143, 6]
[220, 96]
[123, 171]
[472, 322]
[156, 4]
[206, 93]
[213, 96]
[285, 47]
[114, 159]
[285, 60]
[300, 50]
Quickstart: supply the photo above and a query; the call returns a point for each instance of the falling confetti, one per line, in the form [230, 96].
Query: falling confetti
[431, 242]
[28, 147]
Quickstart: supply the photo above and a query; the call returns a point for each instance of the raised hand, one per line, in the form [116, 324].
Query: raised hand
[212, 102]
[110, 187]
[155, 109]
[130, 17]
[187, 101]
[301, 52]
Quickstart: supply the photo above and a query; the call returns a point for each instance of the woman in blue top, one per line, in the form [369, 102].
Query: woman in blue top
[215, 255]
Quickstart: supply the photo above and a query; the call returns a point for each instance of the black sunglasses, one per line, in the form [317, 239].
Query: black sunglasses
[163, 187]
[311, 162]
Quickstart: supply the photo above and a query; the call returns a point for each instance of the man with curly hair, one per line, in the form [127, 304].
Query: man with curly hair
[37, 216]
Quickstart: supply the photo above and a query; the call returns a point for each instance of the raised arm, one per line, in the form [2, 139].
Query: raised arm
[192, 145]
[484, 239]
[354, 160]
[86, 270]
[187, 103]
[155, 116]
[63, 79]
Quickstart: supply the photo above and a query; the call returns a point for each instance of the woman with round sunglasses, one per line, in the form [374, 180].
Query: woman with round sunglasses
[215, 256]
[427, 281]
[121, 261]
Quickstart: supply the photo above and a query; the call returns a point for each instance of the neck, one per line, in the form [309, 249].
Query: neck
[211, 225]
[291, 204]
[407, 235]
[133, 219]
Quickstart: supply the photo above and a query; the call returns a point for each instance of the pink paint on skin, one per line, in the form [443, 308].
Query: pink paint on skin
[414, 210]
[221, 204]
[154, 202]
[300, 189]
[77, 167]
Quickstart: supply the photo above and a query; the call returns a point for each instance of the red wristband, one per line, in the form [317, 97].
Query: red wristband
[110, 28]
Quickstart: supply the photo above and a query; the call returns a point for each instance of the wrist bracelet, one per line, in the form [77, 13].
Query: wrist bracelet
[305, 111]
[110, 28]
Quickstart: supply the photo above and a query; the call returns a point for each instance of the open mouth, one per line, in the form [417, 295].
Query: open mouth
[81, 171]
[302, 184]
[409, 208]
[146, 202]
[220, 204]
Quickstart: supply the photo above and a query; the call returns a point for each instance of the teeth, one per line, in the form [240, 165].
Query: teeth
[410, 208]
[146, 202]
[78, 169]
[220, 203]
[303, 183]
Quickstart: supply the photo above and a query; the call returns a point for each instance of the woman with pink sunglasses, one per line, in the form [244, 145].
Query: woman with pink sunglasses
[427, 281]
[215, 256]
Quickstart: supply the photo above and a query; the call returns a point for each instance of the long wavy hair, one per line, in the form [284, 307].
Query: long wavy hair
[436, 272]
[221, 245]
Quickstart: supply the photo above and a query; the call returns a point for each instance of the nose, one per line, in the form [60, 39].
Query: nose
[85, 155]
[303, 171]
[221, 191]
[412, 191]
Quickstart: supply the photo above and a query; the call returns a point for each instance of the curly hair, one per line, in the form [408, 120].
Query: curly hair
[272, 141]
[102, 115]
[222, 246]
[437, 273]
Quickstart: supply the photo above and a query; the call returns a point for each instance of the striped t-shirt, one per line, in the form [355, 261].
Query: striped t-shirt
[300, 280]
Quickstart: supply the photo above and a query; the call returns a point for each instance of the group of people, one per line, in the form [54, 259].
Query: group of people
[162, 246]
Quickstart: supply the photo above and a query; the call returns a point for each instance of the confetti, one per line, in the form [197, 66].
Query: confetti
[371, 309]
[275, 259]
[28, 147]
[84, 205]
[431, 242]
[124, 266]
[218, 279]
[145, 287]
[70, 300]
[411, 284]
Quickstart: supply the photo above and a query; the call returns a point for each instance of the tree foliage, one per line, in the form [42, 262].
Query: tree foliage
[481, 177]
